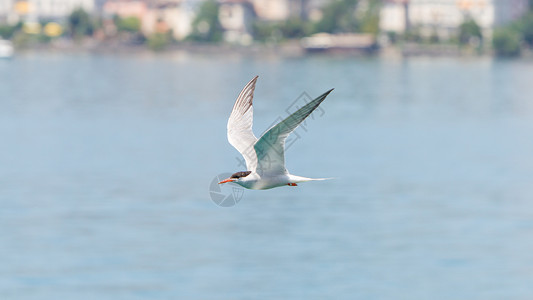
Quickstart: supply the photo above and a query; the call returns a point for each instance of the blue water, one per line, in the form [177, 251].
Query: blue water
[106, 163]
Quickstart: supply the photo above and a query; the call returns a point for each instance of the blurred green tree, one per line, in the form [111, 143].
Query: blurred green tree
[7, 31]
[159, 41]
[469, 30]
[292, 28]
[80, 23]
[434, 37]
[527, 28]
[128, 24]
[370, 17]
[295, 27]
[338, 16]
[206, 25]
[506, 42]
[413, 35]
[266, 31]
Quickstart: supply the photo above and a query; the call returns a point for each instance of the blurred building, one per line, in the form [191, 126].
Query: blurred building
[236, 17]
[156, 16]
[6, 7]
[124, 9]
[443, 17]
[272, 10]
[340, 43]
[174, 15]
[280, 10]
[12, 11]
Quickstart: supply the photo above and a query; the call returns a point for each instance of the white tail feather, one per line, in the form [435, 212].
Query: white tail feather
[297, 179]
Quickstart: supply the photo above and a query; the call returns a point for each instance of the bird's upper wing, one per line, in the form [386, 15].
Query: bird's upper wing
[270, 148]
[240, 134]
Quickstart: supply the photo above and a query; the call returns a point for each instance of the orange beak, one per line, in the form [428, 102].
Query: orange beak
[227, 180]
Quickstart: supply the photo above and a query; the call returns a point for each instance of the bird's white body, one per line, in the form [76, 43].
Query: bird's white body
[255, 182]
[265, 157]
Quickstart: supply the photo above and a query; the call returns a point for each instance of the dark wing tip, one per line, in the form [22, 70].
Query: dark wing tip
[323, 96]
[245, 99]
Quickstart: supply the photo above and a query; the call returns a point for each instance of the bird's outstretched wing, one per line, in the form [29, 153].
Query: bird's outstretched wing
[270, 148]
[240, 134]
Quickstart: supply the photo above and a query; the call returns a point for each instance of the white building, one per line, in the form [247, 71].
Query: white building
[6, 7]
[35, 10]
[56, 9]
[280, 10]
[176, 16]
[236, 17]
[272, 10]
[157, 16]
[445, 16]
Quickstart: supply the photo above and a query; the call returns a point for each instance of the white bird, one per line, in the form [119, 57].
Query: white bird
[265, 157]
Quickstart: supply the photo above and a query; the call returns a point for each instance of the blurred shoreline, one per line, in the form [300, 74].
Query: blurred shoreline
[93, 47]
[291, 49]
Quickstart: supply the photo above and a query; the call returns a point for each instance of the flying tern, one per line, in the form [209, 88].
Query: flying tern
[265, 157]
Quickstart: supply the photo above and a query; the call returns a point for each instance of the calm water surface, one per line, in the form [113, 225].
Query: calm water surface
[105, 165]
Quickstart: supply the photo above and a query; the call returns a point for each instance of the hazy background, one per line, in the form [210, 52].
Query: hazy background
[106, 161]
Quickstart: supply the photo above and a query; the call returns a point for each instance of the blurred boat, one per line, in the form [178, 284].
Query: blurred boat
[340, 43]
[6, 49]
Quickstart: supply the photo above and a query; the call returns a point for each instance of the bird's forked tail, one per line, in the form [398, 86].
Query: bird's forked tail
[298, 179]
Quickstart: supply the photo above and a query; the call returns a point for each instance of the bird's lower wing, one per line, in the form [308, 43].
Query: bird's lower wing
[240, 134]
[270, 148]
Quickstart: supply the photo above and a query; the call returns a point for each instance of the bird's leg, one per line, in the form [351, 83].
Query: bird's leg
[292, 184]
